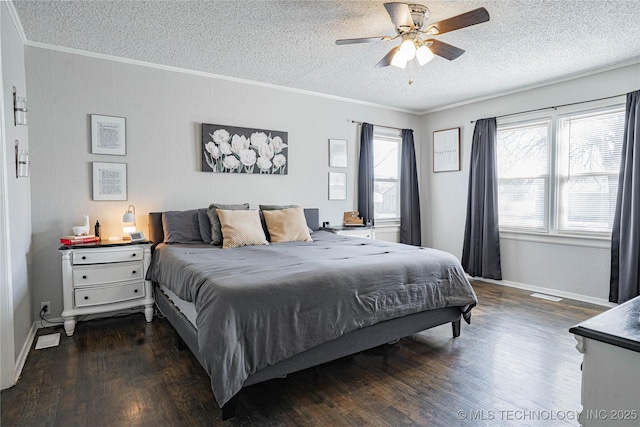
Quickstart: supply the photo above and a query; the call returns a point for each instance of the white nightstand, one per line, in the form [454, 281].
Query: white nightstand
[105, 277]
[610, 367]
[364, 232]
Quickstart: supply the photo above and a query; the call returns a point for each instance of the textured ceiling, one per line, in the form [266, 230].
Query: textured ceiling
[292, 43]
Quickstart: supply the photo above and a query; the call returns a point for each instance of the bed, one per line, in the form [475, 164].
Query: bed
[255, 313]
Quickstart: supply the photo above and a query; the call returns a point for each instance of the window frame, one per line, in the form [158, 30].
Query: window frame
[561, 156]
[548, 199]
[393, 135]
[554, 235]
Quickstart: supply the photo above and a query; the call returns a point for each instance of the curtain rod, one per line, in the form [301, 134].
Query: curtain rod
[555, 107]
[380, 126]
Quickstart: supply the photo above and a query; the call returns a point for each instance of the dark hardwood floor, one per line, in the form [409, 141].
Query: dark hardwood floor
[514, 365]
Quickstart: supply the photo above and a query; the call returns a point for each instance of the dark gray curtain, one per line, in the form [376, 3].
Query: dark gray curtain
[365, 173]
[409, 198]
[625, 237]
[481, 250]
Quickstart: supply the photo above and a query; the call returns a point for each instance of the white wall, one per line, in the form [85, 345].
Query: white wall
[163, 111]
[16, 310]
[568, 269]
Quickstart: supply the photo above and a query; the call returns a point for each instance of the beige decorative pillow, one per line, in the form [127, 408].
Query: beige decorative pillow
[241, 228]
[287, 225]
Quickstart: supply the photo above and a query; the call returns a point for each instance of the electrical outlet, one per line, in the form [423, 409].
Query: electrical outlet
[45, 307]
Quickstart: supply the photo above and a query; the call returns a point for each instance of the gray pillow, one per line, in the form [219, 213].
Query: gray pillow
[205, 225]
[276, 207]
[216, 230]
[181, 227]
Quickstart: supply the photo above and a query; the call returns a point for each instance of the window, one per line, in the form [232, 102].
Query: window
[523, 175]
[386, 174]
[589, 164]
[562, 182]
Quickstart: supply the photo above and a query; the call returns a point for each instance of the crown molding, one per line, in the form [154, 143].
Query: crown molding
[16, 21]
[210, 75]
[550, 82]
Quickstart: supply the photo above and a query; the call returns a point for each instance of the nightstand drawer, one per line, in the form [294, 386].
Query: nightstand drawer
[93, 275]
[101, 256]
[366, 233]
[108, 294]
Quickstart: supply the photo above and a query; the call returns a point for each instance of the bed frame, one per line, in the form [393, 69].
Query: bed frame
[346, 345]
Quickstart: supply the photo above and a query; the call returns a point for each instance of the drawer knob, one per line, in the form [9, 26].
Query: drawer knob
[86, 297]
[135, 291]
[133, 272]
[84, 257]
[133, 255]
[84, 277]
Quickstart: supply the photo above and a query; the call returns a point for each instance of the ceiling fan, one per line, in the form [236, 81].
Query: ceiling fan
[410, 21]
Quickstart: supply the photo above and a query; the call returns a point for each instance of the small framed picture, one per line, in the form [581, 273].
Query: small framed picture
[108, 135]
[337, 186]
[137, 236]
[109, 181]
[446, 150]
[337, 153]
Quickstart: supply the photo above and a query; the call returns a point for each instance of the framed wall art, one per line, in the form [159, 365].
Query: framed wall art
[109, 181]
[337, 186]
[231, 149]
[108, 135]
[446, 150]
[337, 153]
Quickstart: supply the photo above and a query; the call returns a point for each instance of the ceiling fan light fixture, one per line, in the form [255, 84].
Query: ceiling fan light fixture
[423, 55]
[399, 60]
[408, 49]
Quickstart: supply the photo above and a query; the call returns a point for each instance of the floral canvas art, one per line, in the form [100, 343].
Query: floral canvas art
[230, 149]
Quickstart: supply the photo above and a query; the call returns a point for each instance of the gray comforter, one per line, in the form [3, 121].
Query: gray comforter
[258, 305]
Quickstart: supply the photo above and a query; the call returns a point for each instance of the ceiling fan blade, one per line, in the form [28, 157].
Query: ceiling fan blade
[444, 50]
[400, 15]
[467, 19]
[362, 40]
[386, 61]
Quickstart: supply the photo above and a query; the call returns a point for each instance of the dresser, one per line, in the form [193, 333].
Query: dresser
[364, 232]
[610, 343]
[101, 278]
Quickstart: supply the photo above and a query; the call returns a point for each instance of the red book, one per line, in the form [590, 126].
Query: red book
[74, 240]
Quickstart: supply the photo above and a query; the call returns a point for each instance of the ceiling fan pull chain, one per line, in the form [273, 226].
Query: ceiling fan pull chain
[410, 72]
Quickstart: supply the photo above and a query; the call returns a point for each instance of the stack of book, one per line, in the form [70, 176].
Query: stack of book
[78, 240]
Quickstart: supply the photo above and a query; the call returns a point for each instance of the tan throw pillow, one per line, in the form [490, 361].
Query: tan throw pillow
[241, 228]
[216, 232]
[287, 225]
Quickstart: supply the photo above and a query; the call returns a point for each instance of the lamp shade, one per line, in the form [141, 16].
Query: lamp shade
[423, 55]
[23, 164]
[399, 60]
[408, 49]
[21, 111]
[129, 217]
[128, 222]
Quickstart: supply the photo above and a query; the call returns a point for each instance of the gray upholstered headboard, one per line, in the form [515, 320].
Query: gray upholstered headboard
[156, 233]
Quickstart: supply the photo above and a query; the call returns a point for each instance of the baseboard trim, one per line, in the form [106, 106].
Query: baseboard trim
[49, 323]
[548, 291]
[59, 321]
[24, 352]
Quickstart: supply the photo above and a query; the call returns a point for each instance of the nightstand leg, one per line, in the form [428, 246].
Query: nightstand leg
[148, 312]
[69, 325]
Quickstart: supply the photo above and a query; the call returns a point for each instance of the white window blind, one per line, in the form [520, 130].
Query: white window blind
[590, 147]
[523, 175]
[386, 174]
[558, 175]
